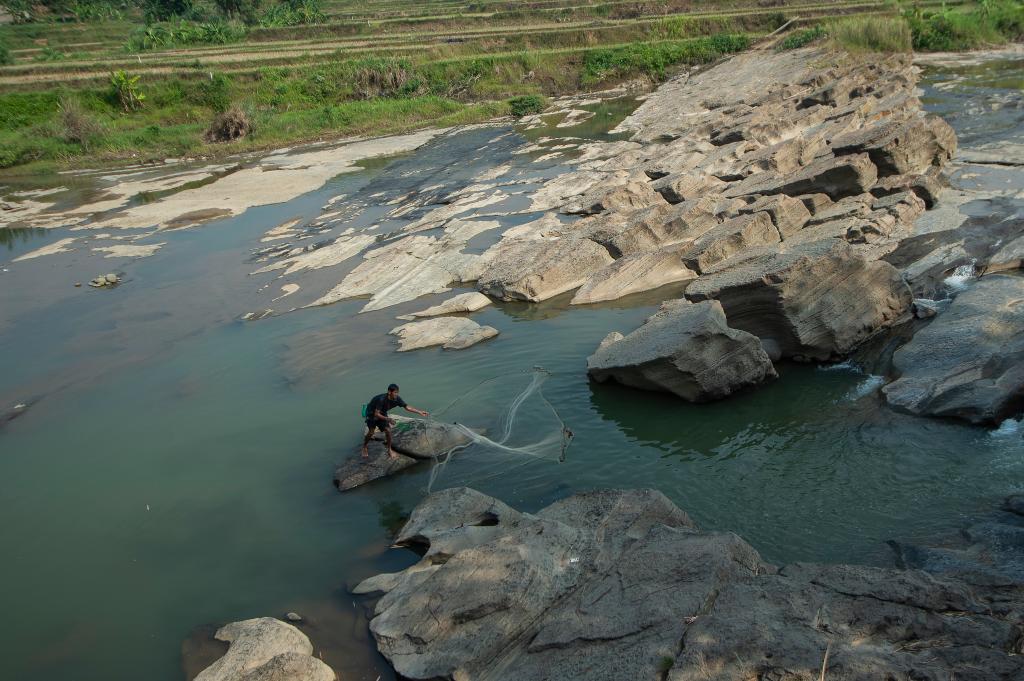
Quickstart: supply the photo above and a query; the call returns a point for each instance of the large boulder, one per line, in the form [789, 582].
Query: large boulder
[614, 585]
[816, 300]
[969, 362]
[265, 649]
[634, 274]
[536, 270]
[686, 349]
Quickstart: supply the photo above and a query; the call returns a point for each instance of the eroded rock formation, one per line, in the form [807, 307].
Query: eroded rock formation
[623, 585]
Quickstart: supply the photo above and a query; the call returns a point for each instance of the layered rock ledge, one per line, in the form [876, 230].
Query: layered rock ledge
[623, 585]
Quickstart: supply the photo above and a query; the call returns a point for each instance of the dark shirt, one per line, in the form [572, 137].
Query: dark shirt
[382, 403]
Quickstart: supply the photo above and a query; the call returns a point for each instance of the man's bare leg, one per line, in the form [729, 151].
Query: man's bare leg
[387, 436]
[366, 442]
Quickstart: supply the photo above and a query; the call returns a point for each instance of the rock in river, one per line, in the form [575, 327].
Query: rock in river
[816, 300]
[358, 471]
[464, 302]
[633, 274]
[686, 349]
[535, 270]
[969, 362]
[423, 439]
[617, 585]
[266, 649]
[451, 333]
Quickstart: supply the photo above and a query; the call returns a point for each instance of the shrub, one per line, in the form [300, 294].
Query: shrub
[802, 38]
[380, 77]
[50, 54]
[990, 22]
[293, 13]
[213, 92]
[653, 59]
[78, 127]
[184, 33]
[872, 34]
[246, 10]
[5, 56]
[526, 105]
[162, 10]
[125, 90]
[229, 125]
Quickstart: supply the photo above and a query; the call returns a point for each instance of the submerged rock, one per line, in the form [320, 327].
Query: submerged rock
[816, 301]
[464, 302]
[686, 349]
[266, 649]
[968, 363]
[451, 333]
[614, 585]
[356, 471]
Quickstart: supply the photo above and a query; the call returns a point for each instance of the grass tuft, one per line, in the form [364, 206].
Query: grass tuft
[872, 34]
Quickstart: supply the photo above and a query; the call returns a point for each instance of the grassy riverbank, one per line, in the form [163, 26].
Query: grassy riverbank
[110, 90]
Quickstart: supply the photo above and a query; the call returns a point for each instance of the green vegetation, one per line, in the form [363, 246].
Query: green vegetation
[524, 105]
[990, 22]
[652, 59]
[803, 38]
[98, 81]
[126, 91]
[182, 33]
[872, 34]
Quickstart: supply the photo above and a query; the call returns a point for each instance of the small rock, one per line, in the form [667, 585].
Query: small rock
[266, 649]
[78, 284]
[293, 617]
[451, 333]
[111, 278]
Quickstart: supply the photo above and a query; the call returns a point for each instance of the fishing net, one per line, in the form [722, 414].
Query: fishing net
[525, 428]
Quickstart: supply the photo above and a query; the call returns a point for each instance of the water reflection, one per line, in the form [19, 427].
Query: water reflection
[11, 236]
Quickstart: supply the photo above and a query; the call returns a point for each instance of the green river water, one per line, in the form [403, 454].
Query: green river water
[174, 466]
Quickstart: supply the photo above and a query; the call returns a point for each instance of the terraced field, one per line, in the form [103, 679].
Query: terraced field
[369, 67]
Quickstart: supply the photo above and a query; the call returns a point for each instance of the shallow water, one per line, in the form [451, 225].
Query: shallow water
[173, 466]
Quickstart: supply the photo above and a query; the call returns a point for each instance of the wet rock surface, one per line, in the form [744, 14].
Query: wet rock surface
[624, 585]
[357, 471]
[969, 362]
[687, 349]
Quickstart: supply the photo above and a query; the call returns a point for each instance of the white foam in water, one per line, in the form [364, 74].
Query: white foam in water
[866, 387]
[961, 276]
[1008, 428]
[841, 366]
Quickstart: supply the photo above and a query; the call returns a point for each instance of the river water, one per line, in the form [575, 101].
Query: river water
[173, 466]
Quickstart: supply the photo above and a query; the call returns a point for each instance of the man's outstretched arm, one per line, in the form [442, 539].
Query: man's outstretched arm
[414, 410]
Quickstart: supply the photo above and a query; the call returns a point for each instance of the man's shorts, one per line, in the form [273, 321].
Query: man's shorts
[382, 424]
